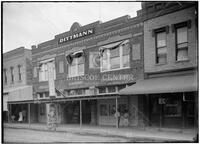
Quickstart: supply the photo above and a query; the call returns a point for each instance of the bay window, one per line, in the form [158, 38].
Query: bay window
[115, 57]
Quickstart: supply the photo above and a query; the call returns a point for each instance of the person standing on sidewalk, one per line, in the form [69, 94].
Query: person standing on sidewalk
[20, 117]
[117, 116]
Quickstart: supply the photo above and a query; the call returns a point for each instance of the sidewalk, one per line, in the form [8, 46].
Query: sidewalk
[152, 133]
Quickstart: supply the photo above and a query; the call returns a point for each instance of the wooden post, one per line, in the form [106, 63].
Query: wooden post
[80, 113]
[116, 106]
[183, 113]
[9, 113]
[29, 114]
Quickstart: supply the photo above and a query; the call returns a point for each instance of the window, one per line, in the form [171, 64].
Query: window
[102, 89]
[172, 109]
[61, 67]
[181, 43]
[161, 48]
[76, 68]
[43, 70]
[42, 109]
[12, 74]
[117, 57]
[19, 72]
[111, 89]
[5, 76]
[35, 72]
[103, 110]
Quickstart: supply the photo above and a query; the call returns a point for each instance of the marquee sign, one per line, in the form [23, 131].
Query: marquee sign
[76, 35]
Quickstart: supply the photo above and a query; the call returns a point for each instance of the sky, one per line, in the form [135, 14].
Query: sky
[27, 24]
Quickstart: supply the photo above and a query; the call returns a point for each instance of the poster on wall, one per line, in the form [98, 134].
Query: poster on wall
[52, 116]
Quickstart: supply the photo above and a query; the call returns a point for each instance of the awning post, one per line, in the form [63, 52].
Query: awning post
[80, 113]
[29, 115]
[117, 118]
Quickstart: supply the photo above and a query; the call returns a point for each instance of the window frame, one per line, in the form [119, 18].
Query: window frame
[121, 55]
[19, 73]
[177, 44]
[44, 70]
[76, 67]
[5, 76]
[12, 74]
[158, 31]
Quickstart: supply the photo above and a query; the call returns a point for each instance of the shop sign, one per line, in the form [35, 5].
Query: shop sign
[162, 101]
[76, 35]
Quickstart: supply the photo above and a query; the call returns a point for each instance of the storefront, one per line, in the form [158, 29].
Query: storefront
[170, 101]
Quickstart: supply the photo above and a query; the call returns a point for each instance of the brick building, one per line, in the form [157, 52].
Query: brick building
[90, 64]
[169, 90]
[17, 77]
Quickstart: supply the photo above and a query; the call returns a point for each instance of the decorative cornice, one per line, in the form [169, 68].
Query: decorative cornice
[76, 44]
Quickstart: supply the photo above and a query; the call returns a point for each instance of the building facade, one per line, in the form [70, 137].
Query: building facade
[17, 89]
[89, 65]
[169, 87]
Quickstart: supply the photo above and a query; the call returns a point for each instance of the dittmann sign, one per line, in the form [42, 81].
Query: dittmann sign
[76, 35]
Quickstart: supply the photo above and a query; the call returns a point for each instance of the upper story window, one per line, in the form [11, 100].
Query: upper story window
[19, 72]
[115, 56]
[181, 33]
[43, 69]
[5, 76]
[12, 74]
[181, 43]
[161, 48]
[76, 64]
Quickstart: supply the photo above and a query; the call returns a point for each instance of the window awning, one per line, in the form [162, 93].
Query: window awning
[113, 45]
[162, 85]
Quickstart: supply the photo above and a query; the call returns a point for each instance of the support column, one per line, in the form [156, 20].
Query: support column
[80, 113]
[29, 114]
[9, 114]
[116, 106]
[183, 112]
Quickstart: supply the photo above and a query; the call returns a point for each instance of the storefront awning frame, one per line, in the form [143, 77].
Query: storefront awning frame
[169, 84]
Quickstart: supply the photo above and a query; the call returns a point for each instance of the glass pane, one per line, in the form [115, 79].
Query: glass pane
[126, 49]
[162, 59]
[162, 50]
[161, 39]
[111, 89]
[81, 69]
[183, 45]
[182, 35]
[105, 54]
[73, 61]
[102, 90]
[115, 62]
[114, 52]
[126, 60]
[103, 110]
[182, 54]
[104, 65]
[80, 60]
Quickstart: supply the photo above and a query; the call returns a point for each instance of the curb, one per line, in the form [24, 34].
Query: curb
[103, 134]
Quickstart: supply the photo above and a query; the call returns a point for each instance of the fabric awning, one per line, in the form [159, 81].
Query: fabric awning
[162, 85]
[113, 45]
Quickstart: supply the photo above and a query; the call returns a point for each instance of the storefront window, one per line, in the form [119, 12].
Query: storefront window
[172, 108]
[112, 110]
[42, 109]
[103, 110]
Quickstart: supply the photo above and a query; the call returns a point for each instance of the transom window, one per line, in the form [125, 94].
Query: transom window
[116, 57]
[161, 48]
[43, 70]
